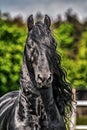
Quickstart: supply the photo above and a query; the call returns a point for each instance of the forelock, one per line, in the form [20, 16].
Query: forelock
[41, 34]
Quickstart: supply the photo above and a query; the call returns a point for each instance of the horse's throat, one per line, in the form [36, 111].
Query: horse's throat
[47, 96]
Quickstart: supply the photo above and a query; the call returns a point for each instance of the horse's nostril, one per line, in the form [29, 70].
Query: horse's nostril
[40, 78]
[49, 78]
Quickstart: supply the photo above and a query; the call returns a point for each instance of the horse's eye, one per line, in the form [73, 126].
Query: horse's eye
[30, 44]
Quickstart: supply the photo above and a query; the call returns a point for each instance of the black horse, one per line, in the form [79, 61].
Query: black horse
[44, 96]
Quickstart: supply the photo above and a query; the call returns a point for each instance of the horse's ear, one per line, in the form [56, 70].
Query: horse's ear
[47, 20]
[30, 22]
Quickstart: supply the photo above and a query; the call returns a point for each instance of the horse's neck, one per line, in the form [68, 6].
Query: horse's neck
[54, 117]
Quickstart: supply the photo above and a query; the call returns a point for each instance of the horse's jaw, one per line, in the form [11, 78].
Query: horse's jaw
[55, 121]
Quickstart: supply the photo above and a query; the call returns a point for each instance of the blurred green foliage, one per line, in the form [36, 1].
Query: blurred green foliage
[64, 35]
[71, 36]
[12, 39]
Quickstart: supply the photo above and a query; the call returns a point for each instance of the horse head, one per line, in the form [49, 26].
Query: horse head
[39, 51]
